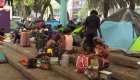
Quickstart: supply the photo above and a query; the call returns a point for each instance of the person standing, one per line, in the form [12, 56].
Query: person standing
[92, 24]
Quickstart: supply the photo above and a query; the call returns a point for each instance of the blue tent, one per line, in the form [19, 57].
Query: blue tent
[53, 23]
[121, 29]
[118, 34]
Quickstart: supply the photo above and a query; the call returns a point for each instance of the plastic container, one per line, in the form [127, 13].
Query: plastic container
[54, 60]
[65, 56]
[64, 63]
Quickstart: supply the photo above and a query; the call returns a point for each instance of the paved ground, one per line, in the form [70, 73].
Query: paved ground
[8, 72]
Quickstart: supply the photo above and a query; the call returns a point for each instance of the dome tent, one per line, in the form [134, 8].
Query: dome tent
[121, 29]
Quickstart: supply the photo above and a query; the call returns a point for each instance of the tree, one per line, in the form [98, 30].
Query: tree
[105, 5]
[82, 13]
[41, 5]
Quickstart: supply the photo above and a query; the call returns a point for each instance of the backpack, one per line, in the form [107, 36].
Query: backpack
[82, 63]
[32, 63]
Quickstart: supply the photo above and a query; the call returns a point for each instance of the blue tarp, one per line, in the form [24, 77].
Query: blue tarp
[118, 34]
[53, 23]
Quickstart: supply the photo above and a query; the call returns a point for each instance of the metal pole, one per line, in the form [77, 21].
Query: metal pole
[63, 12]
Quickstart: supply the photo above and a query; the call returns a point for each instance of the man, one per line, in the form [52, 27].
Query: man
[92, 24]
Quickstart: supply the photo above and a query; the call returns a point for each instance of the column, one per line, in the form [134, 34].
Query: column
[63, 12]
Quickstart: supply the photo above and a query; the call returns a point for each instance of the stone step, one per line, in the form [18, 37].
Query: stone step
[123, 60]
[119, 72]
[70, 70]
[14, 57]
[67, 72]
[8, 72]
[116, 58]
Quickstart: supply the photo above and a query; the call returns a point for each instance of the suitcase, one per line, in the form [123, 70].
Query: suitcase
[25, 39]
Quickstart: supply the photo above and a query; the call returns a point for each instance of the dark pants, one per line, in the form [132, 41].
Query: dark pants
[16, 37]
[90, 34]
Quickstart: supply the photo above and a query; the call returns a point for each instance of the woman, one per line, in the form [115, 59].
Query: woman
[101, 53]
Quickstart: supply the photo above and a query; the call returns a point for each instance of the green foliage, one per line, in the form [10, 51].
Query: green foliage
[82, 14]
[26, 2]
[99, 4]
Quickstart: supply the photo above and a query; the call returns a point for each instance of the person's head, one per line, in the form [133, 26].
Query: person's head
[93, 12]
[42, 25]
[67, 31]
[55, 28]
[97, 40]
[49, 26]
[2, 29]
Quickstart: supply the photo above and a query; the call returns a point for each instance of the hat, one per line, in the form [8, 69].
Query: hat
[42, 25]
[46, 29]
[49, 51]
[98, 39]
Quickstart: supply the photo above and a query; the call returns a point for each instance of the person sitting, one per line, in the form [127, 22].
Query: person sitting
[49, 45]
[57, 39]
[67, 42]
[50, 30]
[42, 26]
[101, 53]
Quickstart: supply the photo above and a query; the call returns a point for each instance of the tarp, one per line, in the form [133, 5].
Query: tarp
[118, 34]
[78, 31]
[13, 25]
[136, 45]
[53, 23]
[2, 57]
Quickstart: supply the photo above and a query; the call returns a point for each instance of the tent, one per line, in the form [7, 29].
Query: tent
[136, 46]
[2, 57]
[35, 23]
[52, 22]
[121, 29]
[78, 31]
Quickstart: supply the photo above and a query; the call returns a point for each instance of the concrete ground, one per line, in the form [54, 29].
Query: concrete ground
[8, 72]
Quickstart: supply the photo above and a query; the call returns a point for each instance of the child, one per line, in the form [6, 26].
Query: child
[49, 45]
